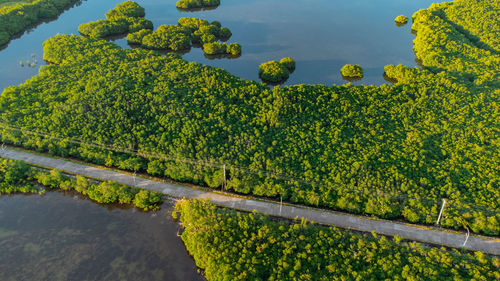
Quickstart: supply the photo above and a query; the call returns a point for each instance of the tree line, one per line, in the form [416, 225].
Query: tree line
[17, 16]
[18, 177]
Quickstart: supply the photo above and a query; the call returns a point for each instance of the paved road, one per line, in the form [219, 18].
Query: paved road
[408, 231]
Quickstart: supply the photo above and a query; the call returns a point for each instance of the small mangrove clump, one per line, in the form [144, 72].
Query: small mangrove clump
[124, 18]
[216, 48]
[288, 63]
[352, 71]
[401, 19]
[194, 4]
[273, 71]
[276, 72]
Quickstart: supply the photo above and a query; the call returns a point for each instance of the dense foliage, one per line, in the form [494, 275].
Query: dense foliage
[124, 18]
[188, 31]
[168, 37]
[190, 4]
[19, 15]
[17, 176]
[401, 19]
[273, 71]
[230, 245]
[460, 37]
[127, 9]
[289, 63]
[136, 37]
[216, 48]
[13, 177]
[352, 71]
[392, 151]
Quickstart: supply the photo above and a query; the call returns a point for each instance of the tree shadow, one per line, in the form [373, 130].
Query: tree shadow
[191, 10]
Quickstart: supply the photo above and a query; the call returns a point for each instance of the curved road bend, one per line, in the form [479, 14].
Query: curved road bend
[348, 221]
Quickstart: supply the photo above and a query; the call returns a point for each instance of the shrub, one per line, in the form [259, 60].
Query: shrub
[81, 183]
[234, 49]
[401, 19]
[52, 179]
[352, 71]
[273, 71]
[210, 29]
[136, 24]
[13, 172]
[208, 38]
[148, 200]
[216, 23]
[215, 48]
[288, 63]
[225, 33]
[193, 23]
[136, 37]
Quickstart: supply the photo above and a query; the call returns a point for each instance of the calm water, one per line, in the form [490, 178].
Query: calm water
[321, 35]
[62, 237]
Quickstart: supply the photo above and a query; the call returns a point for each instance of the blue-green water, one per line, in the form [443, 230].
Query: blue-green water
[321, 35]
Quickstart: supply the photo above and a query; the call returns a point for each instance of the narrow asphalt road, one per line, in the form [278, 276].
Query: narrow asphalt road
[353, 222]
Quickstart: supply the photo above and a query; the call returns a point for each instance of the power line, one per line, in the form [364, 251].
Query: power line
[216, 164]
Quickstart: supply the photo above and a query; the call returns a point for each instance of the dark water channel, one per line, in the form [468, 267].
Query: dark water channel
[63, 237]
[321, 35]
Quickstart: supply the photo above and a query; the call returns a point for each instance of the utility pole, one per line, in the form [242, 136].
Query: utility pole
[441, 212]
[467, 237]
[281, 203]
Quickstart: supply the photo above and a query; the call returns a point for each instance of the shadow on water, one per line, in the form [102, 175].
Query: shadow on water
[164, 52]
[221, 56]
[419, 62]
[197, 9]
[389, 79]
[351, 79]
